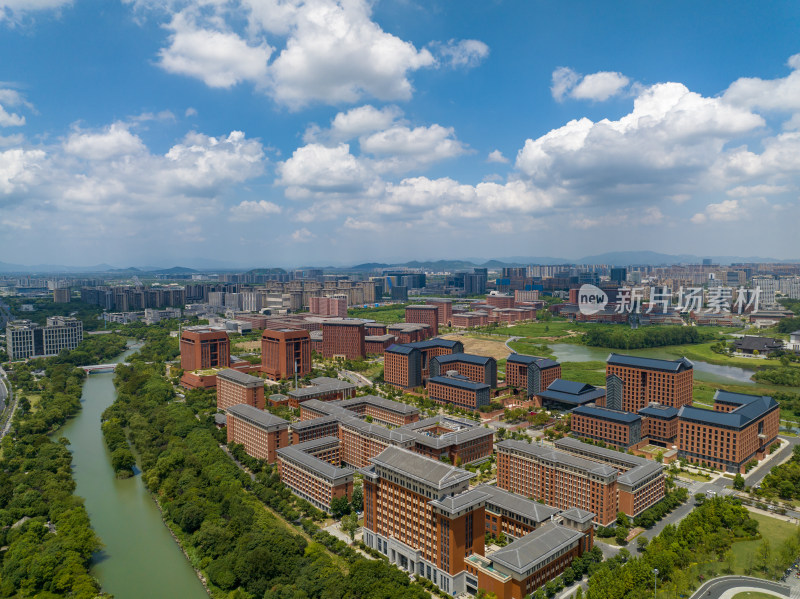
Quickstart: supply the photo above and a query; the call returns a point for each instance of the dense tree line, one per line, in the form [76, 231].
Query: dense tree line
[784, 480]
[122, 459]
[45, 307]
[45, 527]
[618, 337]
[216, 509]
[789, 325]
[785, 375]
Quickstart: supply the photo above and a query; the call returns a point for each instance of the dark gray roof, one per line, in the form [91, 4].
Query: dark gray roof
[322, 384]
[408, 326]
[525, 359]
[260, 418]
[458, 382]
[435, 342]
[524, 553]
[376, 431]
[240, 378]
[742, 416]
[421, 306]
[399, 348]
[278, 397]
[578, 515]
[430, 472]
[302, 425]
[379, 338]
[659, 411]
[380, 402]
[607, 414]
[516, 504]
[348, 322]
[454, 503]
[220, 419]
[300, 454]
[650, 363]
[572, 392]
[637, 469]
[752, 342]
[466, 358]
[557, 457]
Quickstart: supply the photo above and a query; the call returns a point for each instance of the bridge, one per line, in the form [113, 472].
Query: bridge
[101, 368]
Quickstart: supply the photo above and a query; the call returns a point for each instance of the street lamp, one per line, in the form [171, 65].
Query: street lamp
[655, 583]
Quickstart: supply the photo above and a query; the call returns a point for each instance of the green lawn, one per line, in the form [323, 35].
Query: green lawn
[702, 351]
[776, 531]
[593, 373]
[552, 328]
[386, 314]
[753, 595]
[531, 347]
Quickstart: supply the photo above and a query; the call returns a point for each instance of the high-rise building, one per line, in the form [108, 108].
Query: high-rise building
[343, 338]
[619, 275]
[203, 348]
[26, 339]
[423, 314]
[62, 295]
[636, 382]
[284, 352]
[531, 373]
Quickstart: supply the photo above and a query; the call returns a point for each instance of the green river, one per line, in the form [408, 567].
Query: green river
[141, 560]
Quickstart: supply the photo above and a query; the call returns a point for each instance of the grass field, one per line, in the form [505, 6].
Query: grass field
[754, 595]
[532, 347]
[777, 531]
[702, 351]
[553, 329]
[593, 373]
[387, 314]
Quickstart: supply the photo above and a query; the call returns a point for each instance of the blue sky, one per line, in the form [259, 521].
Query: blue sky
[286, 132]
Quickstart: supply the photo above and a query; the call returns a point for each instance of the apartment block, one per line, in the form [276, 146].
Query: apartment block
[557, 478]
[513, 515]
[614, 427]
[378, 344]
[423, 314]
[740, 428]
[234, 388]
[566, 395]
[329, 306]
[459, 391]
[261, 433]
[459, 440]
[203, 348]
[500, 301]
[469, 320]
[343, 338]
[308, 430]
[445, 310]
[531, 373]
[641, 482]
[409, 332]
[479, 369]
[660, 425]
[285, 351]
[25, 339]
[311, 471]
[408, 365]
[638, 382]
[62, 295]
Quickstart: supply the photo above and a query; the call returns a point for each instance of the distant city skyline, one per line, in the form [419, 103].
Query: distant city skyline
[324, 132]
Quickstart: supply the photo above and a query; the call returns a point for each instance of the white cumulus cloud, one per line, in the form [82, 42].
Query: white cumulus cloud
[598, 86]
[115, 140]
[462, 53]
[768, 94]
[251, 210]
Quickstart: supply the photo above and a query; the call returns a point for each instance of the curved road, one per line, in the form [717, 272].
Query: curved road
[714, 589]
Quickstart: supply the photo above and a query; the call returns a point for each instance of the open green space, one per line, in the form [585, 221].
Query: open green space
[551, 328]
[531, 346]
[777, 532]
[386, 314]
[702, 351]
[593, 373]
[754, 595]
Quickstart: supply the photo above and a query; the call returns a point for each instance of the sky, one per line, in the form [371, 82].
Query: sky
[335, 132]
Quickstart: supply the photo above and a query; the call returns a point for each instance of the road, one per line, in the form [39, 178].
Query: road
[359, 380]
[781, 456]
[6, 395]
[717, 587]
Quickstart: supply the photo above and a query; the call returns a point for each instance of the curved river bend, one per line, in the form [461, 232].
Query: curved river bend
[140, 560]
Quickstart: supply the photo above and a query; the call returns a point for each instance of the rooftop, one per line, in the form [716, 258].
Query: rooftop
[467, 358]
[650, 363]
[525, 359]
[543, 542]
[458, 382]
[607, 414]
[572, 392]
[256, 417]
[322, 384]
[517, 504]
[240, 378]
[558, 457]
[430, 472]
[659, 411]
[301, 454]
[747, 412]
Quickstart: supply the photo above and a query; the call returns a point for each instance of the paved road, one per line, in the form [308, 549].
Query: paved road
[7, 396]
[782, 455]
[714, 589]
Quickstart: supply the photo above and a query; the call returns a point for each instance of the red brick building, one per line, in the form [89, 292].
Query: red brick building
[469, 320]
[614, 427]
[378, 344]
[423, 314]
[642, 381]
[311, 471]
[409, 332]
[261, 433]
[445, 310]
[284, 350]
[458, 391]
[203, 348]
[322, 388]
[478, 369]
[374, 328]
[343, 338]
[234, 387]
[308, 430]
[500, 301]
[329, 306]
[531, 373]
[740, 428]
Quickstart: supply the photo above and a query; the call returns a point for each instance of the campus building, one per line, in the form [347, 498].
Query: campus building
[641, 482]
[531, 373]
[470, 320]
[261, 433]
[633, 382]
[421, 514]
[740, 428]
[25, 339]
[408, 365]
[234, 387]
[329, 306]
[479, 369]
[409, 332]
[343, 338]
[311, 471]
[614, 427]
[323, 388]
[559, 479]
[203, 348]
[458, 440]
[308, 430]
[513, 515]
[376, 345]
[660, 425]
[423, 314]
[285, 352]
[566, 395]
[445, 310]
[459, 391]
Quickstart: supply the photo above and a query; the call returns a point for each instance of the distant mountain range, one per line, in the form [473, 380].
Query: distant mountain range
[632, 258]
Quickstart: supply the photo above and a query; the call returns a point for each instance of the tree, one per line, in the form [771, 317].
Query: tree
[622, 519]
[621, 535]
[357, 501]
[339, 507]
[350, 525]
[659, 457]
[730, 560]
[763, 555]
[641, 542]
[738, 482]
